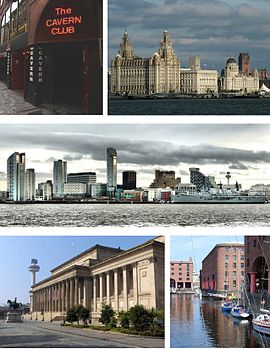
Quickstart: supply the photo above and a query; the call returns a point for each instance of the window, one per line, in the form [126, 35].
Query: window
[242, 265]
[226, 273]
[234, 257]
[226, 265]
[234, 283]
[234, 265]
[247, 262]
[172, 273]
[234, 274]
[226, 257]
[254, 243]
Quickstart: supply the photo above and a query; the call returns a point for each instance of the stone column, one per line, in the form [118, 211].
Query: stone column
[63, 296]
[85, 292]
[95, 293]
[71, 290]
[125, 296]
[67, 295]
[108, 287]
[101, 288]
[252, 282]
[116, 290]
[76, 292]
[135, 283]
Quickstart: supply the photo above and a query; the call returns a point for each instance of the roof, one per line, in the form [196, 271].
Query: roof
[119, 250]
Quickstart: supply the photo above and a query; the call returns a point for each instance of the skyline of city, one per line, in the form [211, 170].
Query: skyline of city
[211, 30]
[220, 149]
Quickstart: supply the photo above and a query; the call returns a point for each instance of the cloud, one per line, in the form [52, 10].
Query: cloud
[211, 29]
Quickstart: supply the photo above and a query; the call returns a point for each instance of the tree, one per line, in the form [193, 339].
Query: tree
[71, 315]
[139, 318]
[123, 318]
[155, 315]
[107, 313]
[83, 314]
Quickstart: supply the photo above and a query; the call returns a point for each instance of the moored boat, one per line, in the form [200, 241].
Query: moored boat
[261, 323]
[240, 312]
[227, 306]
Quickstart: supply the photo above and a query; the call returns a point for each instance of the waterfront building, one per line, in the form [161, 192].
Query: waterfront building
[16, 177]
[159, 73]
[45, 191]
[99, 275]
[201, 181]
[129, 180]
[233, 80]
[244, 64]
[181, 274]
[3, 195]
[111, 171]
[30, 184]
[260, 189]
[130, 195]
[75, 189]
[165, 179]
[263, 75]
[223, 269]
[257, 266]
[59, 177]
[195, 80]
[82, 177]
[53, 54]
[97, 190]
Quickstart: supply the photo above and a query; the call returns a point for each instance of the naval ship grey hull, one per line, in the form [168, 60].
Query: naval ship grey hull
[216, 199]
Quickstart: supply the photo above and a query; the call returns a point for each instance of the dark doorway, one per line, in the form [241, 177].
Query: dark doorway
[3, 69]
[68, 76]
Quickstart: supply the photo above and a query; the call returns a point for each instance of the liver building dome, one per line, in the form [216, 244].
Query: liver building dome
[159, 73]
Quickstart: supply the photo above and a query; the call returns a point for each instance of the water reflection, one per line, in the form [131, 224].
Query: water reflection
[202, 324]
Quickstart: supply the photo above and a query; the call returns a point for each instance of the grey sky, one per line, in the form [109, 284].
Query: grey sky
[211, 29]
[242, 149]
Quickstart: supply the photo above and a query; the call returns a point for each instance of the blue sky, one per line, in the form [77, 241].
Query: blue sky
[17, 252]
[211, 29]
[198, 247]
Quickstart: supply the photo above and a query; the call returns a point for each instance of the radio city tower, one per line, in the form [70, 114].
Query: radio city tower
[228, 176]
[34, 268]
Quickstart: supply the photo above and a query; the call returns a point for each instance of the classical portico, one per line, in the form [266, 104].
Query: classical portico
[102, 275]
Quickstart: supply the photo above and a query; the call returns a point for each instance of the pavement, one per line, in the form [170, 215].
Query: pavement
[37, 334]
[13, 103]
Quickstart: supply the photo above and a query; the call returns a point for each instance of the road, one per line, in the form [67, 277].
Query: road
[33, 334]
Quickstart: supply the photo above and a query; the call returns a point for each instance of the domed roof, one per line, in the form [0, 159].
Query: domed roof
[231, 60]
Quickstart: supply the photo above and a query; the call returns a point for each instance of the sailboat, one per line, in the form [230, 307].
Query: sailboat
[240, 312]
[261, 323]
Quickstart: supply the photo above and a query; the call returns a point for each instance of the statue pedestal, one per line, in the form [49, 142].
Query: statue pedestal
[13, 316]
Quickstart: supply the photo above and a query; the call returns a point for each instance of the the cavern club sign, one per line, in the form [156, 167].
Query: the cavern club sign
[64, 21]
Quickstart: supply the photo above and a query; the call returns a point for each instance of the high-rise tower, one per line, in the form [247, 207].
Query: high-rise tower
[244, 63]
[111, 171]
[16, 176]
[59, 177]
[30, 184]
[34, 268]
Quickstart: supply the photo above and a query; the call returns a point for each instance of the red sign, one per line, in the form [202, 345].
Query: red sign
[63, 25]
[67, 20]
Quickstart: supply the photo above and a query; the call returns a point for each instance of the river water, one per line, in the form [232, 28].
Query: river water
[199, 323]
[92, 215]
[190, 107]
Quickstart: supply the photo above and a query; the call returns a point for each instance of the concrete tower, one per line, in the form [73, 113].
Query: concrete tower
[228, 176]
[34, 268]
[59, 177]
[111, 171]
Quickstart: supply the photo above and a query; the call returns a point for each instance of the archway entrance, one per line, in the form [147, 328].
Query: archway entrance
[261, 269]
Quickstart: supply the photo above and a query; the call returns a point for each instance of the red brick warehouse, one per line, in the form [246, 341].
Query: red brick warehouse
[52, 52]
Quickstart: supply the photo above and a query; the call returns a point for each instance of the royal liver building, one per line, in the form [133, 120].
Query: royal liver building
[136, 75]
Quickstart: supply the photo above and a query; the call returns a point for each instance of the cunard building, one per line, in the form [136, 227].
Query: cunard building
[136, 75]
[99, 275]
[51, 51]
